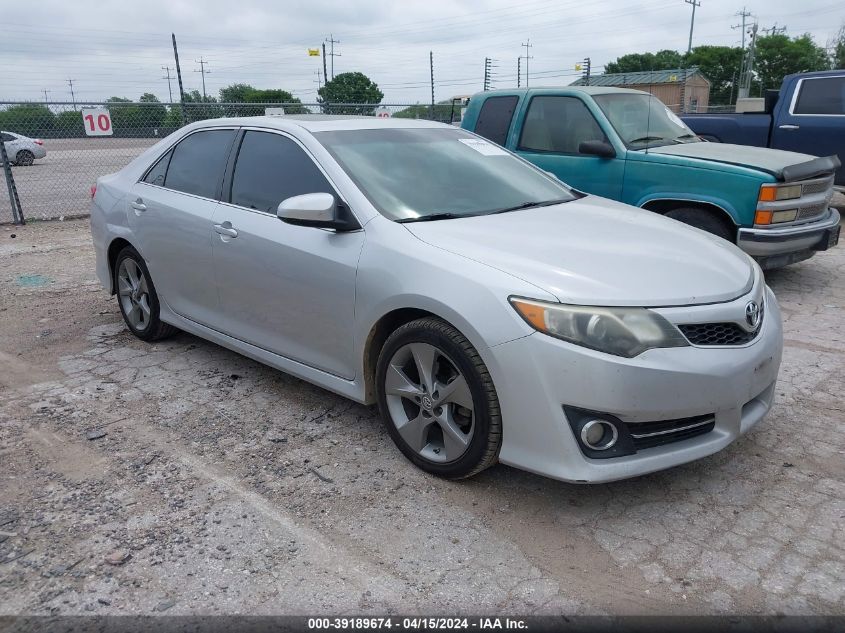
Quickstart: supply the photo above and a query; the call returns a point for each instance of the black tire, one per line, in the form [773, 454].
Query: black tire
[155, 329]
[704, 220]
[24, 158]
[483, 449]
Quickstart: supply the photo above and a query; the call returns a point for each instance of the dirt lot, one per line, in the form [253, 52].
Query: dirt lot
[222, 486]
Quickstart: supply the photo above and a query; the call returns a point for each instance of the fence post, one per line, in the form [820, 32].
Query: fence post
[14, 201]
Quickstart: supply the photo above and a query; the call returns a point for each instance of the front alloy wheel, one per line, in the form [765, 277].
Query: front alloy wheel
[438, 400]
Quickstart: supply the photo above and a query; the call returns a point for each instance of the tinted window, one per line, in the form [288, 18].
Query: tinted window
[198, 162]
[822, 96]
[494, 120]
[156, 175]
[6, 137]
[558, 124]
[271, 168]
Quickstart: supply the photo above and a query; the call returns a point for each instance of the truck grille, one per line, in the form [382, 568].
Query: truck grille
[712, 334]
[808, 213]
[817, 186]
[651, 434]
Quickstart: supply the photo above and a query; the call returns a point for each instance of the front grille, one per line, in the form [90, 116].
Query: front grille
[651, 434]
[817, 186]
[808, 213]
[710, 334]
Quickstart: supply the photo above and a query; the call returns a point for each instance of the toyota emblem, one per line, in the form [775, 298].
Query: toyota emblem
[752, 314]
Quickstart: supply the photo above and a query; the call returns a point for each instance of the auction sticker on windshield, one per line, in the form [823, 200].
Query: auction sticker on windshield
[483, 147]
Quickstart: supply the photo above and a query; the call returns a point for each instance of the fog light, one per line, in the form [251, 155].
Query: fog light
[599, 435]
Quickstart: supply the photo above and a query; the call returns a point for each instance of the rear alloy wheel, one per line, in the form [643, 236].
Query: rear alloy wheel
[137, 298]
[437, 399]
[25, 158]
[704, 220]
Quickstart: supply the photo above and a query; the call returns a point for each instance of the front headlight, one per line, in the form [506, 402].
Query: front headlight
[621, 331]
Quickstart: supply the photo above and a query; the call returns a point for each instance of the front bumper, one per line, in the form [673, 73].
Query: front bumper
[769, 245]
[537, 375]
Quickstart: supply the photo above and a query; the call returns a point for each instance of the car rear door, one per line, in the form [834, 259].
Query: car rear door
[553, 129]
[170, 212]
[284, 288]
[814, 121]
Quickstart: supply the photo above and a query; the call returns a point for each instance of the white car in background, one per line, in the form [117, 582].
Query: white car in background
[21, 149]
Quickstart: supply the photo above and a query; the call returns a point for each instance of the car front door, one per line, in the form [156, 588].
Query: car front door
[552, 131]
[284, 288]
[814, 122]
[170, 212]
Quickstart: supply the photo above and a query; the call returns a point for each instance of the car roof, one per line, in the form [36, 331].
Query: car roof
[546, 90]
[321, 122]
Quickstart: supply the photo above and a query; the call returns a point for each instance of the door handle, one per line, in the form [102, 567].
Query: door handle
[789, 127]
[226, 229]
[138, 205]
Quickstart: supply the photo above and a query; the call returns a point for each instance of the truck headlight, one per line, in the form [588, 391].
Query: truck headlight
[620, 331]
[772, 193]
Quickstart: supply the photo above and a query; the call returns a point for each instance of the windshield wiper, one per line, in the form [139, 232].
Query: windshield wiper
[678, 138]
[644, 139]
[432, 217]
[527, 205]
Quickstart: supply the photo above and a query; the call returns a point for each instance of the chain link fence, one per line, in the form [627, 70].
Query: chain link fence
[55, 160]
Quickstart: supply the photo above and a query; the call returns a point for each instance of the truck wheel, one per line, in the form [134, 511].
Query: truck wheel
[704, 220]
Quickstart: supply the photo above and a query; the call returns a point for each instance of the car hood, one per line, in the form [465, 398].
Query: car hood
[771, 161]
[595, 251]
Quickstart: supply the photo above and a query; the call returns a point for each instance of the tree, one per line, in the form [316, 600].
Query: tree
[639, 62]
[443, 112]
[69, 124]
[778, 56]
[837, 50]
[352, 87]
[151, 115]
[29, 119]
[244, 93]
[721, 66]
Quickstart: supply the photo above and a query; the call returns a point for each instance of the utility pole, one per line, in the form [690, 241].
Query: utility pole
[431, 67]
[743, 14]
[325, 72]
[179, 77]
[46, 92]
[748, 69]
[518, 70]
[488, 66]
[72, 96]
[332, 41]
[587, 69]
[203, 71]
[775, 30]
[526, 57]
[169, 91]
[694, 3]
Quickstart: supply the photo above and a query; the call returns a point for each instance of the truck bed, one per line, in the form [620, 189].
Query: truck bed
[741, 129]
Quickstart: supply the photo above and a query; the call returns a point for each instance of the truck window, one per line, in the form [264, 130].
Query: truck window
[495, 117]
[825, 95]
[559, 125]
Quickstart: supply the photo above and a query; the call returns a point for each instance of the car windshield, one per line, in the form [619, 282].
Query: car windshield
[643, 121]
[415, 174]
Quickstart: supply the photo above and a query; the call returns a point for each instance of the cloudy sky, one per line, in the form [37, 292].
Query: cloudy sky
[114, 48]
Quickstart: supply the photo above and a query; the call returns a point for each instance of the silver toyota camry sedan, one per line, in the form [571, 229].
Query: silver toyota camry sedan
[493, 313]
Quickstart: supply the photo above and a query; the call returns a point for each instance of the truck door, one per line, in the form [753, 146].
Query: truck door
[813, 122]
[552, 131]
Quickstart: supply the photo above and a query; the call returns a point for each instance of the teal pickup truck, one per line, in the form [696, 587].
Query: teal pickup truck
[626, 145]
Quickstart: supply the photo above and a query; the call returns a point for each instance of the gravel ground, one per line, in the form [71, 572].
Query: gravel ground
[182, 478]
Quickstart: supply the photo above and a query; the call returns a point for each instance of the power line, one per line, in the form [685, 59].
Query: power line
[743, 14]
[526, 57]
[332, 41]
[203, 71]
[694, 3]
[72, 96]
[168, 77]
[775, 30]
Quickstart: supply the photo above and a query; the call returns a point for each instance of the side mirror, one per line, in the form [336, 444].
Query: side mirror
[319, 210]
[602, 149]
